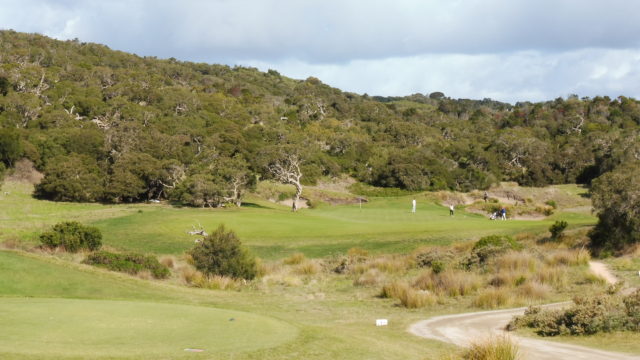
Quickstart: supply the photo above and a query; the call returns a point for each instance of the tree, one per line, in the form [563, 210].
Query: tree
[71, 178]
[616, 198]
[221, 253]
[285, 168]
[10, 146]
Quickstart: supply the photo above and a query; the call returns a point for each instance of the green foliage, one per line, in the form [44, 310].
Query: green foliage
[130, 263]
[557, 229]
[587, 316]
[71, 178]
[221, 253]
[367, 190]
[10, 146]
[616, 198]
[198, 134]
[497, 241]
[72, 236]
[489, 247]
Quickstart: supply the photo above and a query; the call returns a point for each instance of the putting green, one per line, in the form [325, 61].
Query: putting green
[61, 328]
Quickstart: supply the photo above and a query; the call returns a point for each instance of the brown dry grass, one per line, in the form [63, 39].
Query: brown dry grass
[491, 298]
[449, 282]
[569, 257]
[408, 296]
[515, 261]
[534, 290]
[495, 348]
[294, 259]
[373, 277]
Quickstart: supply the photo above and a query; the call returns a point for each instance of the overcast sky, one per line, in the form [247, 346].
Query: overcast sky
[509, 50]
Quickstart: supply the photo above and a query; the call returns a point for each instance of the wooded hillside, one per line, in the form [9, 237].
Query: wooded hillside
[105, 125]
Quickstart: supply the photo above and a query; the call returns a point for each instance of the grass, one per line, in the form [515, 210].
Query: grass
[314, 312]
[383, 225]
[54, 328]
[497, 348]
[622, 341]
[328, 319]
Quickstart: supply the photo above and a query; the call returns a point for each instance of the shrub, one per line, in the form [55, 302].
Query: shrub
[588, 315]
[499, 241]
[489, 247]
[498, 348]
[552, 203]
[435, 258]
[130, 263]
[221, 253]
[557, 229]
[72, 236]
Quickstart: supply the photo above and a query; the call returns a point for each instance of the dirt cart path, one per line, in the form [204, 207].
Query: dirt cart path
[462, 329]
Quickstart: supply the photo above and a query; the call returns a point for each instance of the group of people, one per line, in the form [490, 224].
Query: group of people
[500, 214]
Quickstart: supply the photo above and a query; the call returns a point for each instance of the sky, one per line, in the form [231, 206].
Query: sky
[507, 50]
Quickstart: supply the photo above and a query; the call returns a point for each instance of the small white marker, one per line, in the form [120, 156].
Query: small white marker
[382, 322]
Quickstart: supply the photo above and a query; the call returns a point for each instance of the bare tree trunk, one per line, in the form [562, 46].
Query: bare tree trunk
[296, 197]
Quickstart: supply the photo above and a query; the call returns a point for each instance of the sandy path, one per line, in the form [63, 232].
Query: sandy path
[461, 329]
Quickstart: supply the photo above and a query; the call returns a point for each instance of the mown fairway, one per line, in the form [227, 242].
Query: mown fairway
[270, 230]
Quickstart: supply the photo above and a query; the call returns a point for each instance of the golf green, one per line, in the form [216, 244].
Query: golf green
[62, 328]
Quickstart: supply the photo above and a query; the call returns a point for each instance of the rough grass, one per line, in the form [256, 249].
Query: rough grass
[491, 298]
[496, 348]
[449, 282]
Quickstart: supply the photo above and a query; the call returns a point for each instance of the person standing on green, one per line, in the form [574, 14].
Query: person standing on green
[451, 209]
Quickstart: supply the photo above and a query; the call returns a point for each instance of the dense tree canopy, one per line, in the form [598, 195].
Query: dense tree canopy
[108, 126]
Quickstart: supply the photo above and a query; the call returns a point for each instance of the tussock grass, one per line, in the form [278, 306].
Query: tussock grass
[509, 278]
[217, 282]
[517, 261]
[491, 298]
[408, 296]
[189, 275]
[294, 259]
[534, 290]
[569, 257]
[373, 277]
[496, 348]
[551, 275]
[168, 261]
[449, 282]
[308, 268]
[394, 289]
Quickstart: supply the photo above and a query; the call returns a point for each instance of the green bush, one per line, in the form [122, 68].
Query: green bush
[72, 236]
[221, 253]
[489, 247]
[557, 229]
[128, 263]
[588, 315]
[552, 203]
[500, 241]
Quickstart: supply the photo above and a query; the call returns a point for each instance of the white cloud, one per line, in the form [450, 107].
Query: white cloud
[512, 77]
[504, 49]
